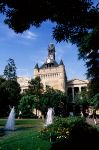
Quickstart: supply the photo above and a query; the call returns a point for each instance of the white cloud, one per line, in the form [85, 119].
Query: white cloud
[29, 35]
[26, 35]
[7, 33]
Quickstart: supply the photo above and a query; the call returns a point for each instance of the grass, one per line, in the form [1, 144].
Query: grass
[30, 122]
[25, 138]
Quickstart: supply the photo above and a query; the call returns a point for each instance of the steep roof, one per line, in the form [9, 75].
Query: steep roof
[36, 66]
[61, 62]
[46, 65]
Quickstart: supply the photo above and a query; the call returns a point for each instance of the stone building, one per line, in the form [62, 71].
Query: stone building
[51, 73]
[74, 86]
[23, 81]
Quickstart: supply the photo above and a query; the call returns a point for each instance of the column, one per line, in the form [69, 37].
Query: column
[73, 93]
[79, 88]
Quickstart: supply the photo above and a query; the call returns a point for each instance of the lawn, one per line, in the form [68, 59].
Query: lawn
[25, 137]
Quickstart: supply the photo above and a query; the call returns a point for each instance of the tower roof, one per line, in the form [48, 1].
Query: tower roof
[36, 66]
[61, 62]
[46, 65]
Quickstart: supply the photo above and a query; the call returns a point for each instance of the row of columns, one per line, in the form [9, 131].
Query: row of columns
[74, 90]
[73, 93]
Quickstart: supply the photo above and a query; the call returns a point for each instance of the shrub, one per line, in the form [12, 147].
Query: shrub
[71, 132]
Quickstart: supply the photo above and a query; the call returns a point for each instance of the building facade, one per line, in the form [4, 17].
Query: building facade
[74, 86]
[23, 81]
[53, 74]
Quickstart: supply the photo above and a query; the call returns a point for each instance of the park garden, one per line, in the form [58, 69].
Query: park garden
[76, 21]
[61, 134]
[30, 131]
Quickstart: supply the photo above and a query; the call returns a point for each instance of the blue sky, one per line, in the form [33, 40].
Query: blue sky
[31, 47]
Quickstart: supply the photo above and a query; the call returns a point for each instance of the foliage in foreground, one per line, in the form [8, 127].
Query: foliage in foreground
[94, 101]
[71, 132]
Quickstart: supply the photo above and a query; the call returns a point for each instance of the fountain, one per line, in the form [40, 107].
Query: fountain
[10, 124]
[49, 117]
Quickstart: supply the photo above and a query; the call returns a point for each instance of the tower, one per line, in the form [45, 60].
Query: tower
[51, 52]
[51, 73]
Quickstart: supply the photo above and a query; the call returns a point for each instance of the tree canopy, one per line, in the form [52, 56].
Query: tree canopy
[89, 51]
[12, 89]
[35, 87]
[3, 98]
[72, 17]
[26, 105]
[55, 99]
[9, 88]
[10, 70]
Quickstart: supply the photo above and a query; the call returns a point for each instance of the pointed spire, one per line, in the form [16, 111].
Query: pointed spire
[51, 46]
[61, 62]
[36, 66]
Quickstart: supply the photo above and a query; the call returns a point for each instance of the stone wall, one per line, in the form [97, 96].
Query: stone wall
[54, 77]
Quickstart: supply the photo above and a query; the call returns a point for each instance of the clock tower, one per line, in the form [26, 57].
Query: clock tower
[51, 72]
[51, 53]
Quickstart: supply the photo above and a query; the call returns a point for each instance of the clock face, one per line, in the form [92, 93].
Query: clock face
[48, 60]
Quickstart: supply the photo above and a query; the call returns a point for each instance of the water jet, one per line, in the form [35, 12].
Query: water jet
[10, 124]
[49, 117]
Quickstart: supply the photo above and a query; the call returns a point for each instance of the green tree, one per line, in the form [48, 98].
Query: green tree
[10, 70]
[4, 108]
[94, 101]
[13, 92]
[89, 51]
[11, 85]
[55, 99]
[35, 87]
[2, 79]
[26, 105]
[70, 16]
[81, 98]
